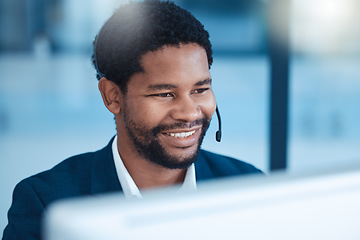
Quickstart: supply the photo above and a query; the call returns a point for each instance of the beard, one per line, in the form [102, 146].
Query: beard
[147, 143]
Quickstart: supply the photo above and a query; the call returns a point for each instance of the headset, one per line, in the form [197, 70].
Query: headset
[218, 132]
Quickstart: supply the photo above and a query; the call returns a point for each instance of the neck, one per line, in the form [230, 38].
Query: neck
[146, 178]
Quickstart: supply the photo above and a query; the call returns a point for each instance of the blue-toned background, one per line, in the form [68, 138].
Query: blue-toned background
[50, 107]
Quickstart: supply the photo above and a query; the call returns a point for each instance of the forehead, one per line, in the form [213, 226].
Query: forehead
[183, 65]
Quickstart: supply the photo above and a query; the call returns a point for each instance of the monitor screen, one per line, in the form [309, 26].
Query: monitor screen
[313, 206]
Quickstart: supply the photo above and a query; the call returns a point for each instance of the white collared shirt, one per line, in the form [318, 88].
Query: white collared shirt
[128, 185]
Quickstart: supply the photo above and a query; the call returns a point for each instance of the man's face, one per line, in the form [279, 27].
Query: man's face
[168, 107]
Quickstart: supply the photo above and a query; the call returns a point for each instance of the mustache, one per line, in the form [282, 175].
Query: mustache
[165, 127]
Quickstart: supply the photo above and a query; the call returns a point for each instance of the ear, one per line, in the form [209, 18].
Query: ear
[111, 95]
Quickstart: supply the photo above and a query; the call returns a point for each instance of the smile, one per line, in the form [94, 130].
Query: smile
[181, 134]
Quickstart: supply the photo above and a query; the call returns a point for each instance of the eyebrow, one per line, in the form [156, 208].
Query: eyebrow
[161, 87]
[171, 86]
[204, 82]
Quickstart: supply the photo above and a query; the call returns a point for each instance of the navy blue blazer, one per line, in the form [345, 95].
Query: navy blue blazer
[90, 174]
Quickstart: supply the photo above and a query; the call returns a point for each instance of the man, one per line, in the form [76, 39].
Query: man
[152, 60]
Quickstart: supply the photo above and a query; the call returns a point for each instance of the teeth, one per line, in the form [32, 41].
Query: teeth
[182, 135]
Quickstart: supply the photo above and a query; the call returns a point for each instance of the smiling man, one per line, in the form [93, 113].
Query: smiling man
[152, 61]
[162, 117]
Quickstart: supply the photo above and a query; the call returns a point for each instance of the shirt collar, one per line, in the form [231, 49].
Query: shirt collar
[128, 185]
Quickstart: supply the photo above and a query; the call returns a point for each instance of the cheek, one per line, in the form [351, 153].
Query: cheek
[146, 113]
[209, 106]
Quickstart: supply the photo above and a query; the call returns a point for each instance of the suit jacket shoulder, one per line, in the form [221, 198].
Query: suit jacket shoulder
[84, 174]
[211, 165]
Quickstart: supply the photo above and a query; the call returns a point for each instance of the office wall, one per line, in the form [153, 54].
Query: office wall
[325, 86]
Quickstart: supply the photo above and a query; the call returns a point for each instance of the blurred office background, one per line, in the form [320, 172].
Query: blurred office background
[50, 107]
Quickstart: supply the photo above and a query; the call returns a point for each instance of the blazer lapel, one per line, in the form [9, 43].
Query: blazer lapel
[104, 178]
[203, 170]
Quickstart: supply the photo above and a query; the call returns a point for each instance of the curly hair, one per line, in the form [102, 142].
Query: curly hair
[139, 27]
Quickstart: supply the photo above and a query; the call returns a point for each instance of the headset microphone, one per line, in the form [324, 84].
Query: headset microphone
[218, 133]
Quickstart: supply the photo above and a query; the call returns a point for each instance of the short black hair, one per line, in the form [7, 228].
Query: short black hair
[139, 27]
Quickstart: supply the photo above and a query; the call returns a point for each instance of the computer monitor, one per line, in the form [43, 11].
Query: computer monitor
[313, 206]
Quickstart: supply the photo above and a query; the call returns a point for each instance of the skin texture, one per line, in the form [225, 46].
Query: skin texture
[172, 95]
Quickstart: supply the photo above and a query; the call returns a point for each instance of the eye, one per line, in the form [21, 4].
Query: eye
[166, 95]
[201, 90]
[163, 95]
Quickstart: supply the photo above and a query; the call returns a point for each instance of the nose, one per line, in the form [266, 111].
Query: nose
[186, 109]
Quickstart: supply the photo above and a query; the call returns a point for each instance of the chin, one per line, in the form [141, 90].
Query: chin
[181, 159]
[183, 153]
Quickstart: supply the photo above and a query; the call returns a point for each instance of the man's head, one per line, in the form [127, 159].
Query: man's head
[138, 28]
[153, 61]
